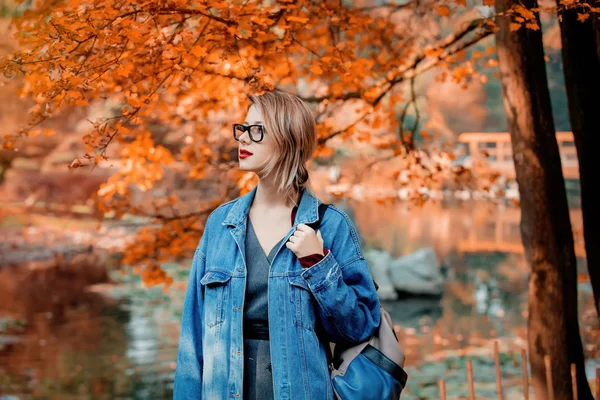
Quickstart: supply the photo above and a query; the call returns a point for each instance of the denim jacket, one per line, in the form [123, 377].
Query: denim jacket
[337, 292]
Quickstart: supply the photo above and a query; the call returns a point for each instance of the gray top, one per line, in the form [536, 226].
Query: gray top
[258, 264]
[258, 374]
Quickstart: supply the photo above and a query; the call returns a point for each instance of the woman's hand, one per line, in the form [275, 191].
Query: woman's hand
[305, 241]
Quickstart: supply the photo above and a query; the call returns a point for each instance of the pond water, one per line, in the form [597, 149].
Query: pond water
[120, 341]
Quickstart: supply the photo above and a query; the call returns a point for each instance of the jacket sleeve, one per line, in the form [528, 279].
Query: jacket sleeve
[188, 371]
[343, 286]
[311, 259]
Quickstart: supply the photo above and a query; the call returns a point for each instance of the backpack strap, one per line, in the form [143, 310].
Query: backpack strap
[315, 225]
[319, 329]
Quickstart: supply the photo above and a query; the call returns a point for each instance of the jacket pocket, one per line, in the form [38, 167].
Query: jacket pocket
[216, 290]
[304, 303]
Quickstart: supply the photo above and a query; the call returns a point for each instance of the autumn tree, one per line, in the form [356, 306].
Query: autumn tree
[553, 326]
[184, 68]
[187, 67]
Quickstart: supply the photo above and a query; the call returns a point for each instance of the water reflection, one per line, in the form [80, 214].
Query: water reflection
[113, 342]
[120, 341]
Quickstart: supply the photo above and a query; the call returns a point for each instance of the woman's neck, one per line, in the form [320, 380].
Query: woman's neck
[267, 196]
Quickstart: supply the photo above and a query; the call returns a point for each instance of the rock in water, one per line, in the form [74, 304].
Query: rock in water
[379, 263]
[417, 273]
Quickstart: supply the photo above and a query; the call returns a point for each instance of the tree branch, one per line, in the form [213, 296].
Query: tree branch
[401, 72]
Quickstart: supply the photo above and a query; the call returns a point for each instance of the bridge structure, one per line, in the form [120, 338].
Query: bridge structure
[496, 147]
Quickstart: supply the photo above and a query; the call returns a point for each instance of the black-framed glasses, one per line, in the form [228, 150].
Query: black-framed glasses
[256, 132]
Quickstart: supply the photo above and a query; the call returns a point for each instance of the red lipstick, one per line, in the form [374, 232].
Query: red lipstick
[244, 153]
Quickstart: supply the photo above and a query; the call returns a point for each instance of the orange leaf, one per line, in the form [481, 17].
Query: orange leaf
[125, 69]
[198, 51]
[443, 11]
[316, 69]
[433, 52]
[527, 13]
[582, 17]
[302, 20]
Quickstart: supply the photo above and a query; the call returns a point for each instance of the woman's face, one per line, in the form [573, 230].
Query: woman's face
[261, 151]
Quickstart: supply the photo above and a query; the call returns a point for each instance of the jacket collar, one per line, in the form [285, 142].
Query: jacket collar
[308, 209]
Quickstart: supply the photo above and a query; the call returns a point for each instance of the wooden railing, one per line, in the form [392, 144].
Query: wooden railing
[497, 147]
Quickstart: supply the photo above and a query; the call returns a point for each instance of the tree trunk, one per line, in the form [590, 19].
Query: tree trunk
[581, 65]
[553, 327]
[596, 26]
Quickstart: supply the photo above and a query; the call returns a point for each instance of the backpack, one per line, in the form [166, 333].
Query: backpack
[372, 369]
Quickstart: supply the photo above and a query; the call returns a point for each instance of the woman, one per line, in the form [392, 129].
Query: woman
[267, 293]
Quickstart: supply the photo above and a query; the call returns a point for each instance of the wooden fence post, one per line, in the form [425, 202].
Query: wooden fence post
[574, 381]
[442, 385]
[525, 374]
[498, 376]
[470, 380]
[549, 385]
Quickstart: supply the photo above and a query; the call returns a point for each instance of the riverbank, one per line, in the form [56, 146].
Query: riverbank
[73, 326]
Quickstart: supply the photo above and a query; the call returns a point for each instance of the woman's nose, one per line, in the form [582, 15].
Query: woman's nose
[245, 137]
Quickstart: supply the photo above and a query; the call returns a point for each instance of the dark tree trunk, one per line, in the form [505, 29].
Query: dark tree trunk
[553, 327]
[581, 66]
[596, 26]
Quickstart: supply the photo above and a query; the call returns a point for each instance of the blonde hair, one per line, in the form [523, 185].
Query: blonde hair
[292, 126]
